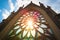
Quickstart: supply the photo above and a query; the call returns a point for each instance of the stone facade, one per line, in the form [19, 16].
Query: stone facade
[52, 17]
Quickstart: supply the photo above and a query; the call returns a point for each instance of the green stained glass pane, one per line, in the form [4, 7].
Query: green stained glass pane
[18, 31]
[10, 32]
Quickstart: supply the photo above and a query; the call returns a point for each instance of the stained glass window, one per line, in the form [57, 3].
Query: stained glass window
[31, 26]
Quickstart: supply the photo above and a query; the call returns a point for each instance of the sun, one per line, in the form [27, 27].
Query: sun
[30, 24]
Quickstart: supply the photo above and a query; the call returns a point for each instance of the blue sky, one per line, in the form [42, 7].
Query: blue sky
[7, 6]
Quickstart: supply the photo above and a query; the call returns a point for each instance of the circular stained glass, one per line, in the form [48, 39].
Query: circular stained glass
[30, 25]
[30, 21]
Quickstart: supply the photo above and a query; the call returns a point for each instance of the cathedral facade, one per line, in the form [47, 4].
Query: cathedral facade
[32, 22]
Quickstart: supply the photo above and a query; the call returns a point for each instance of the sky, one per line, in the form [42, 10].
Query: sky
[7, 6]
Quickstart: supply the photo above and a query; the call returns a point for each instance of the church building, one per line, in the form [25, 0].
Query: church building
[33, 22]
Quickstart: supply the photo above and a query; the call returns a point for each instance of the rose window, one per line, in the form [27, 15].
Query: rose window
[31, 25]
